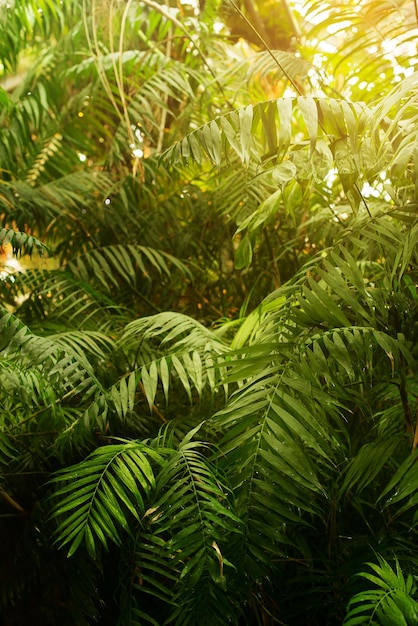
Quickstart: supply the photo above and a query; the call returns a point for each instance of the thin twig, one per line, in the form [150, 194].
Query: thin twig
[415, 443]
[163, 120]
[163, 11]
[12, 502]
[267, 48]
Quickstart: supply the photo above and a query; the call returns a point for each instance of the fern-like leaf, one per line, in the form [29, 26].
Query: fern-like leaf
[101, 497]
[391, 599]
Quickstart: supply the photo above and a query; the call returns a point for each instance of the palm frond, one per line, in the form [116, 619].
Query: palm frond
[189, 487]
[111, 264]
[352, 31]
[63, 300]
[104, 495]
[21, 243]
[391, 599]
[405, 481]
[269, 126]
[184, 349]
[70, 367]
[315, 360]
[63, 393]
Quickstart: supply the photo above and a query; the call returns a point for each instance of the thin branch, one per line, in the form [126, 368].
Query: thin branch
[119, 80]
[415, 443]
[163, 120]
[95, 52]
[163, 11]
[15, 505]
[363, 199]
[257, 21]
[267, 48]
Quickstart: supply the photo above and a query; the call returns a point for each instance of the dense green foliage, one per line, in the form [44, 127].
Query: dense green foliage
[208, 367]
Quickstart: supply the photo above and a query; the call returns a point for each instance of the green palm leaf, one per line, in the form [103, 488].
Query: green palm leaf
[104, 495]
[192, 511]
[391, 600]
[186, 351]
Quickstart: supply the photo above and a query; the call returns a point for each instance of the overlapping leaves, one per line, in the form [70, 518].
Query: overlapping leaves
[100, 496]
[392, 598]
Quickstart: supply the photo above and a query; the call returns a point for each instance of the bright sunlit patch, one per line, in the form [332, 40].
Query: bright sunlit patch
[330, 177]
[325, 46]
[82, 157]
[338, 26]
[408, 71]
[389, 45]
[194, 4]
[353, 80]
[368, 191]
[314, 18]
[137, 150]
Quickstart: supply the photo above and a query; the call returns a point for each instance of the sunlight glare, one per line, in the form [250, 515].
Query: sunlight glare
[338, 26]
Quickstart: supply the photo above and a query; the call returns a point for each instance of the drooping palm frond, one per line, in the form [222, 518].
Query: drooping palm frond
[101, 497]
[179, 562]
[65, 397]
[111, 264]
[21, 243]
[117, 277]
[262, 135]
[391, 600]
[172, 345]
[148, 492]
[236, 132]
[34, 350]
[65, 301]
[52, 204]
